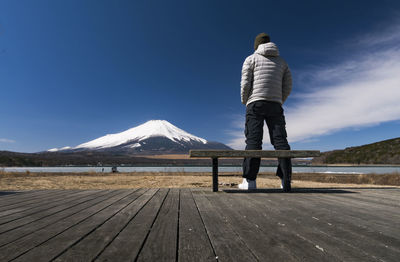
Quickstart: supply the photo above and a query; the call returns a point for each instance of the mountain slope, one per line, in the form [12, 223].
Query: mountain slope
[383, 152]
[152, 128]
[152, 137]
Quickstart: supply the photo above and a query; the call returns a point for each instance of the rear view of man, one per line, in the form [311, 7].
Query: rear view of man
[265, 85]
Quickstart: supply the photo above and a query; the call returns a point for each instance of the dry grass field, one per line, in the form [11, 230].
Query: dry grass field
[31, 181]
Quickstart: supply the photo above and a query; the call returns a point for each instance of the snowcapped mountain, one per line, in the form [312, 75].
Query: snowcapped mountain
[152, 137]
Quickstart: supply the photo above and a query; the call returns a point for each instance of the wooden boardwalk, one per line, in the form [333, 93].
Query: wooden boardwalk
[199, 225]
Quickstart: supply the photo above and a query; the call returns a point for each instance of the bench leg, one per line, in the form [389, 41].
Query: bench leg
[215, 174]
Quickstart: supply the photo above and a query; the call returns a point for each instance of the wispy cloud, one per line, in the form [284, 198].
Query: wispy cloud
[5, 140]
[361, 91]
[382, 36]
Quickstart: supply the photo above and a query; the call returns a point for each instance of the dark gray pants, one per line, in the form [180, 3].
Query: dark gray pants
[271, 112]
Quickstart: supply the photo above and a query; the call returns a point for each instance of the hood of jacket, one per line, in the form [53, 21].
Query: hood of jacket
[267, 49]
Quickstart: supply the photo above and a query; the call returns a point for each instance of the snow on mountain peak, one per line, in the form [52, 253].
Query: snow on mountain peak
[152, 128]
[58, 149]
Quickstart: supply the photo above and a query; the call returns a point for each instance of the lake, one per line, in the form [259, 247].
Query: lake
[296, 169]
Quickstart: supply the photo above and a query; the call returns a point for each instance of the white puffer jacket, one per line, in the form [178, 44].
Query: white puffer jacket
[265, 76]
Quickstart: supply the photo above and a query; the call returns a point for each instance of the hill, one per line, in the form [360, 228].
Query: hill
[383, 152]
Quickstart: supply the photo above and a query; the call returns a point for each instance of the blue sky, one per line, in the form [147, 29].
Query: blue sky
[72, 71]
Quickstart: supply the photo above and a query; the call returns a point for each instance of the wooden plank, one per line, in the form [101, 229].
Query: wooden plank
[348, 229]
[28, 203]
[25, 198]
[373, 232]
[383, 199]
[164, 233]
[69, 210]
[88, 248]
[383, 215]
[387, 196]
[194, 243]
[126, 245]
[28, 218]
[49, 250]
[365, 219]
[10, 195]
[227, 244]
[300, 223]
[19, 218]
[269, 231]
[254, 153]
[13, 194]
[29, 242]
[25, 204]
[383, 208]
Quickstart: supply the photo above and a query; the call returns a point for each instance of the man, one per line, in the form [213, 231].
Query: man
[266, 84]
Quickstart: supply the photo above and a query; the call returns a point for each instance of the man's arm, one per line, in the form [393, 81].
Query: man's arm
[286, 84]
[246, 84]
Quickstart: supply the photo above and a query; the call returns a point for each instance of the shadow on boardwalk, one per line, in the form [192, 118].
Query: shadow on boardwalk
[4, 193]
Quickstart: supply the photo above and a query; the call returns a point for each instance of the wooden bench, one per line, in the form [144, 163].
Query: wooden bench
[215, 154]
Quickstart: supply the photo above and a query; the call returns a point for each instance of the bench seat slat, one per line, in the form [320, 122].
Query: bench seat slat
[254, 153]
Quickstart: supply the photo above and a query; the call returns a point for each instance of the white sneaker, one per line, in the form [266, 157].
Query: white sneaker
[248, 184]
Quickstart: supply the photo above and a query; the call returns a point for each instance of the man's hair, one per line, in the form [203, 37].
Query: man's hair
[261, 39]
